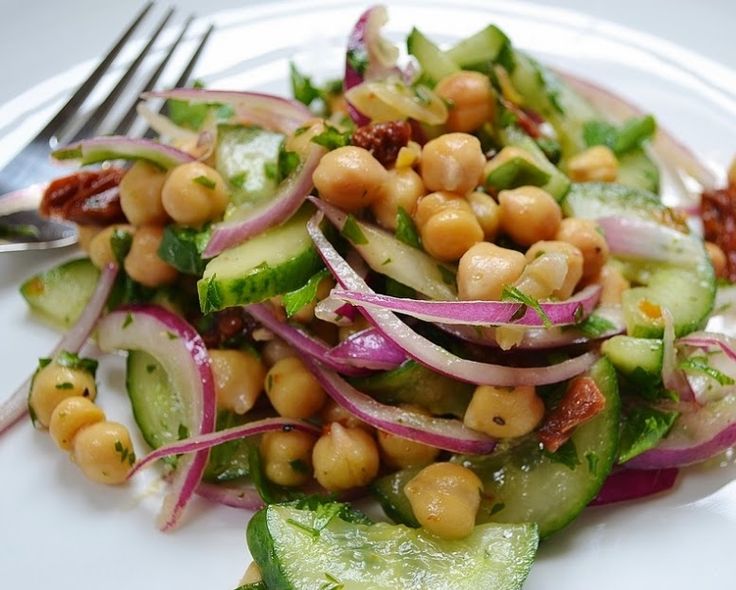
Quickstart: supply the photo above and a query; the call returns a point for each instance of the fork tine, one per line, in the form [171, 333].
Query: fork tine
[99, 114]
[130, 116]
[76, 100]
[186, 73]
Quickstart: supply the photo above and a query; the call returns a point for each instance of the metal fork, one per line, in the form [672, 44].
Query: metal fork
[21, 227]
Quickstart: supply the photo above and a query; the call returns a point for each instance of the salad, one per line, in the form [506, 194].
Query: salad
[447, 283]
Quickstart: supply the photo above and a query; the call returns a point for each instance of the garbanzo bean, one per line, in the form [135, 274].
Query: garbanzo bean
[586, 235]
[334, 412]
[717, 258]
[505, 155]
[485, 269]
[452, 162]
[100, 247]
[104, 452]
[194, 193]
[448, 234]
[402, 188]
[529, 214]
[300, 141]
[143, 263]
[470, 100]
[596, 164]
[287, 457]
[445, 498]
[574, 271]
[613, 284]
[239, 378]
[345, 458]
[504, 412]
[399, 453]
[140, 194]
[349, 178]
[294, 392]
[69, 417]
[487, 212]
[52, 384]
[433, 203]
[274, 350]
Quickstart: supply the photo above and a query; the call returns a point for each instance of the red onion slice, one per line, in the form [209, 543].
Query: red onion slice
[631, 484]
[244, 497]
[369, 349]
[721, 356]
[443, 433]
[16, 406]
[478, 313]
[117, 147]
[164, 126]
[249, 222]
[183, 355]
[427, 352]
[266, 110]
[672, 377]
[711, 340]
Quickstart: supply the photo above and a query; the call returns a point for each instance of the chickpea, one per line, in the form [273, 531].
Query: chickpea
[252, 575]
[294, 392]
[487, 212]
[485, 269]
[274, 350]
[287, 457]
[447, 235]
[613, 284]
[445, 498]
[596, 164]
[349, 178]
[409, 155]
[143, 264]
[452, 162]
[238, 377]
[140, 194]
[85, 234]
[529, 214]
[544, 275]
[471, 100]
[52, 384]
[399, 453]
[587, 236]
[717, 258]
[104, 452]
[402, 188]
[69, 417]
[573, 272]
[334, 412]
[345, 458]
[300, 142]
[194, 193]
[505, 155]
[100, 247]
[504, 412]
[435, 202]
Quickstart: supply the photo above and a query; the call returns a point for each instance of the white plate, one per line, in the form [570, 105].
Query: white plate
[59, 531]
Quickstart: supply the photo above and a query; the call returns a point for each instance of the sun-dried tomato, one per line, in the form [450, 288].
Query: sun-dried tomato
[718, 210]
[91, 197]
[383, 140]
[582, 401]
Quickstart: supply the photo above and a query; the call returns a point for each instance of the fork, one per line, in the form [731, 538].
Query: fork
[21, 227]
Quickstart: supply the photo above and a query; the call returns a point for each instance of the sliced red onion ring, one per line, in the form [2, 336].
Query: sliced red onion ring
[117, 147]
[299, 340]
[183, 355]
[369, 349]
[443, 433]
[164, 126]
[722, 357]
[244, 497]
[478, 313]
[16, 406]
[205, 441]
[641, 238]
[427, 352]
[266, 110]
[632, 484]
[672, 377]
[251, 221]
[711, 340]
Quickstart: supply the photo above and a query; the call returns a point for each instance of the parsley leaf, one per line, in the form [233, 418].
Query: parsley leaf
[595, 326]
[511, 293]
[351, 230]
[622, 139]
[288, 162]
[120, 243]
[205, 182]
[643, 427]
[74, 361]
[332, 138]
[567, 455]
[295, 300]
[406, 230]
[699, 365]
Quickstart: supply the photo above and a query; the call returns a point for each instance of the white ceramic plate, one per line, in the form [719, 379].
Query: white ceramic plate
[59, 531]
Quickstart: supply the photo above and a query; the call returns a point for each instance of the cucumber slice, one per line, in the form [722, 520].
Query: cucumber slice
[434, 63]
[592, 200]
[524, 484]
[637, 170]
[59, 295]
[478, 51]
[306, 550]
[412, 383]
[635, 357]
[277, 261]
[248, 157]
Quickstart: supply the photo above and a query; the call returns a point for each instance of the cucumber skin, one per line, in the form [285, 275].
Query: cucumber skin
[262, 282]
[631, 355]
[434, 63]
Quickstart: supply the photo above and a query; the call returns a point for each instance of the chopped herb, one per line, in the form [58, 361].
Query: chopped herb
[65, 385]
[183, 432]
[205, 182]
[511, 293]
[567, 455]
[171, 335]
[224, 112]
[699, 365]
[150, 369]
[406, 230]
[128, 320]
[332, 583]
[351, 230]
[295, 300]
[212, 298]
[325, 513]
[496, 508]
[271, 170]
[643, 428]
[385, 262]
[623, 139]
[120, 243]
[182, 248]
[269, 382]
[357, 59]
[300, 466]
[186, 114]
[43, 362]
[448, 276]
[126, 455]
[595, 326]
[238, 180]
[301, 86]
[332, 138]
[288, 162]
[74, 361]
